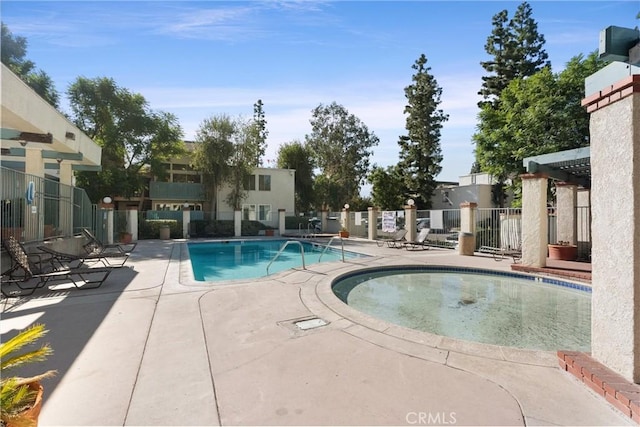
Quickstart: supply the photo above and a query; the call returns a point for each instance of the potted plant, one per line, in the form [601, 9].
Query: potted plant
[344, 233]
[563, 251]
[22, 397]
[125, 237]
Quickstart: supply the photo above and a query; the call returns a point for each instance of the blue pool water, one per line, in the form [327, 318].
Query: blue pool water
[503, 309]
[248, 259]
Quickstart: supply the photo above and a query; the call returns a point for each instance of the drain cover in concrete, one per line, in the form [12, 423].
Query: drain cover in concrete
[310, 324]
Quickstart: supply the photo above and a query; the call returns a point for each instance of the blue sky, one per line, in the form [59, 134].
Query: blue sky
[203, 58]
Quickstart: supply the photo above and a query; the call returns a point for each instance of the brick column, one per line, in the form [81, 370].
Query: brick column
[534, 220]
[467, 236]
[615, 198]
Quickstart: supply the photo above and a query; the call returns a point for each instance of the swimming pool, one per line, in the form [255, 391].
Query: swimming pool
[248, 259]
[498, 308]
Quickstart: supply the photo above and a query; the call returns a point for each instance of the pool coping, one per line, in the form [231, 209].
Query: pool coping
[436, 347]
[316, 293]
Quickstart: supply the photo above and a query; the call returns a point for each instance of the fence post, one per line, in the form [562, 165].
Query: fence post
[372, 227]
[132, 223]
[410, 220]
[467, 236]
[237, 223]
[281, 222]
[186, 219]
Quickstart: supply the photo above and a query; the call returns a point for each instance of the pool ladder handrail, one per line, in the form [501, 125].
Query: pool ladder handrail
[282, 248]
[329, 244]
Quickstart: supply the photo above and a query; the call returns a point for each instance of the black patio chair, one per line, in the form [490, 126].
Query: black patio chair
[95, 246]
[42, 272]
[107, 258]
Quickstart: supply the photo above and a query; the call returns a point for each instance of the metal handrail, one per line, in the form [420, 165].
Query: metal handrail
[329, 244]
[284, 246]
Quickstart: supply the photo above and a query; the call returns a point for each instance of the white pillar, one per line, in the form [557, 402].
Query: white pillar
[110, 226]
[372, 227]
[132, 223]
[324, 221]
[237, 223]
[467, 236]
[65, 204]
[345, 218]
[410, 222]
[615, 198]
[567, 224]
[34, 213]
[534, 220]
[186, 218]
[281, 222]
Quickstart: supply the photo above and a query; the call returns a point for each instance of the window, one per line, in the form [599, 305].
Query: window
[250, 183]
[264, 212]
[182, 167]
[249, 212]
[190, 178]
[264, 182]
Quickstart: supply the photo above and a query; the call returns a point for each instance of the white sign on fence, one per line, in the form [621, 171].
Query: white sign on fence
[436, 222]
[388, 221]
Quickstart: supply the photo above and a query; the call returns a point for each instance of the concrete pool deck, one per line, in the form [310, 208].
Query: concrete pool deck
[154, 347]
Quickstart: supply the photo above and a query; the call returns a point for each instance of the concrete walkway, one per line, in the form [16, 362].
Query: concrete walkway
[154, 347]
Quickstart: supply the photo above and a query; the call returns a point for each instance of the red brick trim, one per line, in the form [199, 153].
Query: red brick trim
[533, 176]
[612, 93]
[468, 205]
[620, 393]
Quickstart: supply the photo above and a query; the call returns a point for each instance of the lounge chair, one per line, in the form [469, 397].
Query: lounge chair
[43, 272]
[394, 241]
[95, 246]
[420, 242]
[501, 253]
[107, 258]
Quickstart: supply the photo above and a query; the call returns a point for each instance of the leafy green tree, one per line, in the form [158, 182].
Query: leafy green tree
[13, 53]
[420, 153]
[341, 145]
[516, 49]
[133, 137]
[537, 115]
[388, 184]
[245, 157]
[295, 155]
[214, 148]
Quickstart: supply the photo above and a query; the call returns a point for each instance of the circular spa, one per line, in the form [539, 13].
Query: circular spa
[499, 308]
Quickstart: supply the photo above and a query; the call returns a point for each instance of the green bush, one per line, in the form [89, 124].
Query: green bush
[150, 228]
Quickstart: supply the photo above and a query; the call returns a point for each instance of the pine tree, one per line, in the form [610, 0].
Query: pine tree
[517, 50]
[420, 153]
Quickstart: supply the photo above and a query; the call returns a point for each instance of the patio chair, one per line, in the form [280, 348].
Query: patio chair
[394, 241]
[107, 258]
[420, 242]
[42, 272]
[501, 253]
[95, 246]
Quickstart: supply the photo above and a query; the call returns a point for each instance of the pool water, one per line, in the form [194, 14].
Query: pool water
[493, 309]
[248, 259]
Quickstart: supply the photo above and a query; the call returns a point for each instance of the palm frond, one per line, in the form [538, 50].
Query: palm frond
[25, 337]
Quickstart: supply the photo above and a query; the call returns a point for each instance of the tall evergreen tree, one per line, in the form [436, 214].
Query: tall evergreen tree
[259, 131]
[516, 48]
[420, 153]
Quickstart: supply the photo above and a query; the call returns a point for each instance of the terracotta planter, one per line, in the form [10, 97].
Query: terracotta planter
[125, 237]
[344, 234]
[268, 232]
[30, 416]
[12, 231]
[563, 252]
